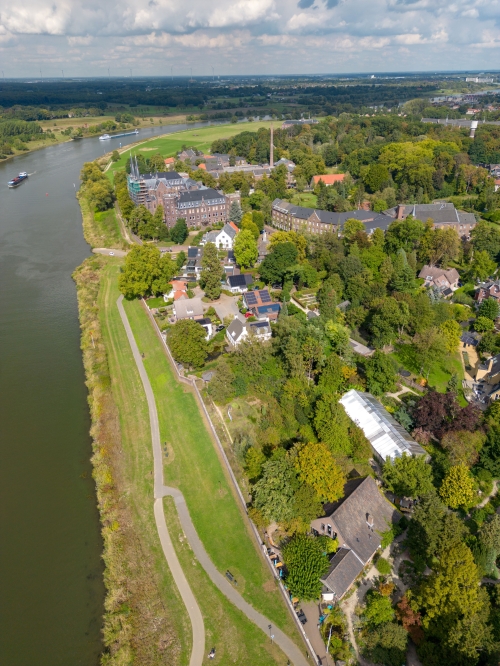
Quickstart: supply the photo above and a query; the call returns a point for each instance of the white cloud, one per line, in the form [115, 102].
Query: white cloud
[262, 36]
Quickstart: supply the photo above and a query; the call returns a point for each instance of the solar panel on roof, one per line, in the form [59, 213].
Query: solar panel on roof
[264, 297]
[250, 298]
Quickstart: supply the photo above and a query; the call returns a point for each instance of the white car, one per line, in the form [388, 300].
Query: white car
[111, 254]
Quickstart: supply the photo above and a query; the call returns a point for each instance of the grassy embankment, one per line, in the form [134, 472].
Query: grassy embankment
[197, 471]
[145, 621]
[100, 229]
[201, 139]
[213, 509]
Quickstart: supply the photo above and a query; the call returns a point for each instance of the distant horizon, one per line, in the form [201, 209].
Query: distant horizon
[210, 77]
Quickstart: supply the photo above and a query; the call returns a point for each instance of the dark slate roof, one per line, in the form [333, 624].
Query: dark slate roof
[193, 251]
[167, 175]
[197, 195]
[205, 321]
[441, 212]
[362, 505]
[345, 567]
[340, 218]
[239, 280]
[380, 221]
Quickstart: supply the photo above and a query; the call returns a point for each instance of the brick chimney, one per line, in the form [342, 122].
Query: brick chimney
[400, 211]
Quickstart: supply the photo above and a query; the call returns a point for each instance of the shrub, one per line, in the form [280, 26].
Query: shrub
[383, 566]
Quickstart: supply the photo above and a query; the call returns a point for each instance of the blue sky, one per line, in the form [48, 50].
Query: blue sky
[86, 37]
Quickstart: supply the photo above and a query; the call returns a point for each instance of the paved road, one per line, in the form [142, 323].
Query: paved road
[160, 490]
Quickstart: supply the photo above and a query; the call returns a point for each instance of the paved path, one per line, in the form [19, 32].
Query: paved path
[107, 250]
[185, 591]
[160, 490]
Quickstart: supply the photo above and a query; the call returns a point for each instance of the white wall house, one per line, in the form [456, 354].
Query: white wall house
[223, 238]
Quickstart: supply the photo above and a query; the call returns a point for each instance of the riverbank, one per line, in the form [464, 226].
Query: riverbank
[144, 621]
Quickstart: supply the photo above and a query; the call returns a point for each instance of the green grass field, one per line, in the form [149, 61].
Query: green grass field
[237, 640]
[196, 469]
[200, 138]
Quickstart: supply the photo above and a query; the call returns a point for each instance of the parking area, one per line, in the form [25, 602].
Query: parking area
[227, 306]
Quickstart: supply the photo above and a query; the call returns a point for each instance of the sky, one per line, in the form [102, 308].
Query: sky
[88, 37]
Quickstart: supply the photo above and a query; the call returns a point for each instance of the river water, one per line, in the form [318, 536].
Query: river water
[52, 593]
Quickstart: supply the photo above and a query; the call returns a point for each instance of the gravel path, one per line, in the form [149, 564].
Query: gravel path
[160, 490]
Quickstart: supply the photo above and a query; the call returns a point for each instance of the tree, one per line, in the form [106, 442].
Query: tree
[483, 324]
[380, 374]
[274, 266]
[408, 476]
[186, 340]
[316, 466]
[245, 248]
[338, 334]
[378, 609]
[426, 527]
[248, 224]
[306, 564]
[403, 276]
[489, 308]
[145, 272]
[332, 425]
[100, 194]
[429, 346]
[212, 272]
[179, 231]
[329, 296]
[235, 213]
[273, 493]
[383, 566]
[451, 332]
[181, 259]
[293, 237]
[376, 178]
[457, 488]
[482, 265]
[115, 156]
[221, 387]
[351, 228]
[258, 219]
[254, 460]
[463, 447]
[451, 591]
[386, 644]
[388, 321]
[410, 619]
[489, 534]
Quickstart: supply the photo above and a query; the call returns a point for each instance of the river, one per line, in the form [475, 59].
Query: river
[52, 592]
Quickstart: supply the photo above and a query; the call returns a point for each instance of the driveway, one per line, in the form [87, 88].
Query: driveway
[108, 251]
[227, 306]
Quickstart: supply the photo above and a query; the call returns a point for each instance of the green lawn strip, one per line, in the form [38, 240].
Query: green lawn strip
[236, 639]
[196, 470]
[200, 138]
[138, 465]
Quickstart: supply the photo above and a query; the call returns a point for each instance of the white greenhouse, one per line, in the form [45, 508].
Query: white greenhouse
[387, 437]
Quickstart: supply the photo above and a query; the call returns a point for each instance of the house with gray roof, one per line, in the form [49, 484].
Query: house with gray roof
[222, 238]
[189, 308]
[444, 215]
[387, 437]
[236, 332]
[356, 522]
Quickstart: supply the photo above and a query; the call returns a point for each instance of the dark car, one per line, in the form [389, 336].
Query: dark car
[221, 327]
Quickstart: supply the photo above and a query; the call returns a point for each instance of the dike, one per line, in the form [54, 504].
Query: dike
[137, 628]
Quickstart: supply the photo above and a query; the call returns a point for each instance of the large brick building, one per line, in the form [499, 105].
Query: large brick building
[181, 197]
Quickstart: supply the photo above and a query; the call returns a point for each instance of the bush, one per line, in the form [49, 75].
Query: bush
[383, 566]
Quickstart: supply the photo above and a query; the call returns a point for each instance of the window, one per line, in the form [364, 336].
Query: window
[329, 530]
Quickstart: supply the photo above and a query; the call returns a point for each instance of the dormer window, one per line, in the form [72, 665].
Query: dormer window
[323, 527]
[329, 530]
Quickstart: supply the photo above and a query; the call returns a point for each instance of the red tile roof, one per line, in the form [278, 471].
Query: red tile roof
[233, 225]
[329, 178]
[169, 160]
[202, 166]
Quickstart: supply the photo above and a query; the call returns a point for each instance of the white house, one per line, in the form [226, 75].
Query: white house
[206, 322]
[238, 284]
[189, 308]
[236, 332]
[222, 238]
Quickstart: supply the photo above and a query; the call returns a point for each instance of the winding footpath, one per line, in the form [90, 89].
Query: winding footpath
[160, 490]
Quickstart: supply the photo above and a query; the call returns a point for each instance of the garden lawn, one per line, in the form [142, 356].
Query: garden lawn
[201, 139]
[440, 372]
[197, 471]
[307, 199]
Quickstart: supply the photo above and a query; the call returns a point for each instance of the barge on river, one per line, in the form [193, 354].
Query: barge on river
[18, 179]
